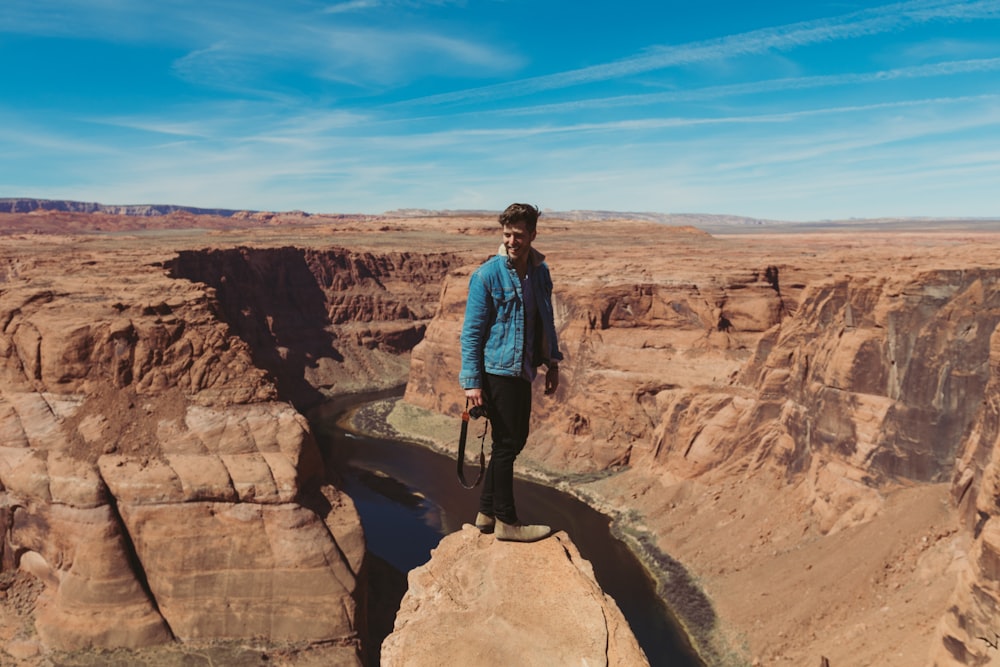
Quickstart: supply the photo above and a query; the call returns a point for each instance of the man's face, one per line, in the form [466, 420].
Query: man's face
[517, 239]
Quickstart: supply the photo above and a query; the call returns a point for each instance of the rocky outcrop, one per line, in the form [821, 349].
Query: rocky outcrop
[479, 601]
[152, 472]
[150, 478]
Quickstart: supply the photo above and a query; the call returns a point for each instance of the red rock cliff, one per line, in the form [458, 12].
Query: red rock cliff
[322, 321]
[816, 383]
[152, 473]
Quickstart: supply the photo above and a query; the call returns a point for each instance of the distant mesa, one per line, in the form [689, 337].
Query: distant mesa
[25, 205]
[61, 216]
[674, 219]
[168, 216]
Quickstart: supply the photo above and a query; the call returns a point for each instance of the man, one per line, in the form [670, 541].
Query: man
[509, 331]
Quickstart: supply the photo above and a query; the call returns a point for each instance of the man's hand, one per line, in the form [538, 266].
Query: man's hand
[551, 380]
[474, 396]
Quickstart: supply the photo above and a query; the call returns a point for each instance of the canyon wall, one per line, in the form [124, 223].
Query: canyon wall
[970, 631]
[153, 472]
[883, 374]
[322, 321]
[821, 386]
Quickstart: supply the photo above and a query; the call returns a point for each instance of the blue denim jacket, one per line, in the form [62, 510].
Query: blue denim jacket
[493, 332]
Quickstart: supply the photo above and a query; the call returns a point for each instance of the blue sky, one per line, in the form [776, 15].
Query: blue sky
[782, 110]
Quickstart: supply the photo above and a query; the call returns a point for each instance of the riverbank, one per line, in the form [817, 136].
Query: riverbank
[691, 609]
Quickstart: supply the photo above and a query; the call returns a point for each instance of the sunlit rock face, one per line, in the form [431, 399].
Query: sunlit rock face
[831, 378]
[969, 629]
[480, 602]
[884, 374]
[322, 321]
[155, 475]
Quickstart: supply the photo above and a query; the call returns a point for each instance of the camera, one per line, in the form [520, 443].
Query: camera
[477, 411]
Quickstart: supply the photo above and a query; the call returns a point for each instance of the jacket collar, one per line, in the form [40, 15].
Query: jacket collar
[536, 257]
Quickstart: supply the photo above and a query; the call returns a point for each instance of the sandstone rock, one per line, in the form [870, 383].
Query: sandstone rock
[139, 442]
[22, 649]
[75, 483]
[24, 473]
[141, 480]
[320, 319]
[94, 598]
[340, 516]
[202, 477]
[231, 570]
[254, 480]
[32, 420]
[976, 492]
[483, 602]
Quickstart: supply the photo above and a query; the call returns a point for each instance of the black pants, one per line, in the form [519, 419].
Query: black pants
[508, 404]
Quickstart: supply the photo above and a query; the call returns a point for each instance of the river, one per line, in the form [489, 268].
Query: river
[409, 497]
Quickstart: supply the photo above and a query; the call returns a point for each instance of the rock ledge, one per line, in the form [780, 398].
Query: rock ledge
[483, 602]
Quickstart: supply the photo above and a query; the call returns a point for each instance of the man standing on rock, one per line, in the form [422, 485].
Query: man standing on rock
[509, 332]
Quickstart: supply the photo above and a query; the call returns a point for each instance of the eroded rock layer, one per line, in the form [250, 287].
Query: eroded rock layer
[153, 473]
[322, 320]
[814, 382]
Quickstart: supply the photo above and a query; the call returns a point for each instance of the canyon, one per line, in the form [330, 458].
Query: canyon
[797, 432]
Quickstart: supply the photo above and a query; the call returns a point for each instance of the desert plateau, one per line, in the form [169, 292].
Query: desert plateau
[795, 427]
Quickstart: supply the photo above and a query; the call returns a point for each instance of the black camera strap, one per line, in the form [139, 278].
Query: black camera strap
[461, 450]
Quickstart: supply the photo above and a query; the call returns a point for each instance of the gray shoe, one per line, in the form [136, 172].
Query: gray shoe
[519, 532]
[485, 523]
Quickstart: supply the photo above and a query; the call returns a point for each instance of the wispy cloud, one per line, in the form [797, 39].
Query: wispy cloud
[173, 22]
[760, 87]
[245, 47]
[351, 6]
[22, 138]
[621, 129]
[856, 24]
[361, 5]
[358, 57]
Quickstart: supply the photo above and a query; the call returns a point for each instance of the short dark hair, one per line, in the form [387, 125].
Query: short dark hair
[520, 213]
